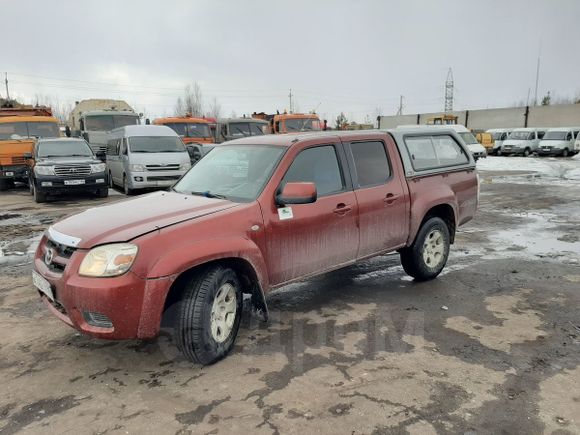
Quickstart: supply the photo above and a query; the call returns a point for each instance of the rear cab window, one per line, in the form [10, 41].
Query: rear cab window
[371, 163]
[436, 151]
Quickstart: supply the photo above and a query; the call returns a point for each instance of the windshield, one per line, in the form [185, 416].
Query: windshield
[497, 135]
[556, 135]
[190, 129]
[468, 138]
[240, 129]
[302, 124]
[521, 135]
[24, 130]
[63, 148]
[237, 172]
[156, 144]
[109, 122]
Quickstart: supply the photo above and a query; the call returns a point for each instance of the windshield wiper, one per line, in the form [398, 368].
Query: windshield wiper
[208, 194]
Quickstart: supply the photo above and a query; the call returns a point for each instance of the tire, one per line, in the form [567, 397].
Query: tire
[527, 152]
[434, 234]
[197, 154]
[565, 152]
[103, 192]
[128, 191]
[111, 183]
[198, 336]
[39, 197]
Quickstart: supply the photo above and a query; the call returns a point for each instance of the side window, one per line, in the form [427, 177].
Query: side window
[569, 136]
[371, 163]
[111, 147]
[82, 124]
[448, 151]
[541, 134]
[123, 143]
[421, 152]
[503, 136]
[224, 130]
[532, 135]
[318, 165]
[575, 133]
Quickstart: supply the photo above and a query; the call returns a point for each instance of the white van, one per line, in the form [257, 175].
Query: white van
[523, 141]
[562, 141]
[499, 136]
[145, 156]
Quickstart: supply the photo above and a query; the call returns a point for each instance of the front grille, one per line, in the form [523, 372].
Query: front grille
[171, 167]
[163, 178]
[62, 250]
[72, 170]
[18, 160]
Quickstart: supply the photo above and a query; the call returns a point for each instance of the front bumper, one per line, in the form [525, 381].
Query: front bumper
[550, 151]
[55, 184]
[116, 308]
[153, 179]
[19, 172]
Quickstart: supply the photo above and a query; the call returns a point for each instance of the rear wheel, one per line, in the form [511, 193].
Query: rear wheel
[208, 316]
[427, 256]
[196, 154]
[111, 184]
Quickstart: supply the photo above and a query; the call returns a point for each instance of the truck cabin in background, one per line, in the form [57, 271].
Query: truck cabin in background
[20, 127]
[291, 122]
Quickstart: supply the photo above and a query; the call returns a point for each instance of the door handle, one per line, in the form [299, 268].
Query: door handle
[342, 209]
[390, 198]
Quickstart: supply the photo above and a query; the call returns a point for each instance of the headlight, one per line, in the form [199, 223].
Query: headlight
[185, 166]
[98, 167]
[138, 168]
[44, 170]
[108, 260]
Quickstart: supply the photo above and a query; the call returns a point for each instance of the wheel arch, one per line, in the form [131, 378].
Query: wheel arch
[446, 212]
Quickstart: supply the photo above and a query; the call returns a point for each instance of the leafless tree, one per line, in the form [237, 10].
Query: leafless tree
[60, 110]
[191, 103]
[214, 109]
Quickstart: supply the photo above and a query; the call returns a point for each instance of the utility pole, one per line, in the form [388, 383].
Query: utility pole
[400, 111]
[537, 80]
[6, 82]
[528, 100]
[290, 98]
[449, 92]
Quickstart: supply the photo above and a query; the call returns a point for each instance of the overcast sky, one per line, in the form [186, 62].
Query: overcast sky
[351, 56]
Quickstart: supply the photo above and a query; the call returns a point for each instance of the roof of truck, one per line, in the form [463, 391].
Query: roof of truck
[180, 119]
[17, 118]
[109, 112]
[256, 120]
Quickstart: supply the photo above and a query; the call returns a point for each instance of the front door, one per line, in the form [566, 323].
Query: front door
[308, 238]
[380, 195]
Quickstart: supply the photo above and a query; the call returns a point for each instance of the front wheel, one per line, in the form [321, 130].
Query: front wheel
[427, 256]
[526, 152]
[209, 315]
[128, 191]
[565, 152]
[103, 192]
[39, 197]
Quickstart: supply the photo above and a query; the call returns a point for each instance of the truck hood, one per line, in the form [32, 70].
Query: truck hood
[476, 148]
[15, 148]
[516, 142]
[126, 220]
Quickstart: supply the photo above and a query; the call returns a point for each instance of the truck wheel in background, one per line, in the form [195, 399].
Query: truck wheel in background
[208, 315]
[565, 152]
[128, 191]
[103, 192]
[427, 256]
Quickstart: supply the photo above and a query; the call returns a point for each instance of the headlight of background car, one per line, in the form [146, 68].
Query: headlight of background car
[44, 170]
[185, 166]
[137, 168]
[98, 167]
[109, 260]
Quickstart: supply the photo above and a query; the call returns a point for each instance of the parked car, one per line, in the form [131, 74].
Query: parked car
[255, 214]
[560, 142]
[476, 149]
[499, 135]
[64, 166]
[236, 128]
[145, 156]
[523, 141]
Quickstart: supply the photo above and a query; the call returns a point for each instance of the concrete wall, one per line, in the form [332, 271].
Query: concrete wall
[562, 115]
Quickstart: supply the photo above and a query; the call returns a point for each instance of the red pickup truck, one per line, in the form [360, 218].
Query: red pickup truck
[255, 214]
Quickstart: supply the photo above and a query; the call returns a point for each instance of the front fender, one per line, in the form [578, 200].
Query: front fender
[176, 261]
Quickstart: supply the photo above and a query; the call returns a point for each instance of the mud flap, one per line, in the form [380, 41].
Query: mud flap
[259, 306]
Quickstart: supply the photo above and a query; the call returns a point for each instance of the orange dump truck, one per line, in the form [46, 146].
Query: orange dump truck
[19, 128]
[191, 130]
[291, 122]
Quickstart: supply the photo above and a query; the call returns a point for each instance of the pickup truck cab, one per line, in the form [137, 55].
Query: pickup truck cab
[255, 214]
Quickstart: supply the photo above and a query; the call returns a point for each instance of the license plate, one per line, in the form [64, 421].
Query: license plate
[73, 182]
[10, 174]
[42, 284]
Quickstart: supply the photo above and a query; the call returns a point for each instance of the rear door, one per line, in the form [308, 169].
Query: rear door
[380, 194]
[310, 238]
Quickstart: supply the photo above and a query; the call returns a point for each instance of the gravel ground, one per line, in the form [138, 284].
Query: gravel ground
[491, 346]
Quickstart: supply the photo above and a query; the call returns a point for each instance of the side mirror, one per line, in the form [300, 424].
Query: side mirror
[27, 156]
[297, 193]
[147, 121]
[67, 131]
[101, 155]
